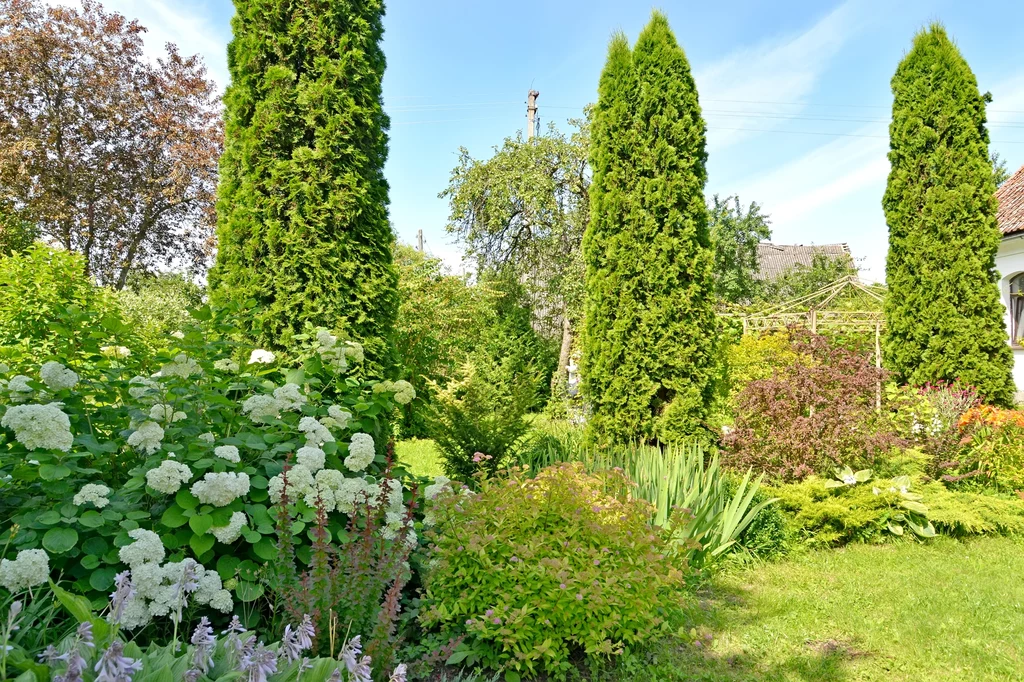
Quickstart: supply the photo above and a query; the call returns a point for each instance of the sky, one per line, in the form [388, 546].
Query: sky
[796, 93]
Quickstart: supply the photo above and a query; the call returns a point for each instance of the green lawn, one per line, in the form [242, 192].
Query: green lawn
[942, 611]
[421, 457]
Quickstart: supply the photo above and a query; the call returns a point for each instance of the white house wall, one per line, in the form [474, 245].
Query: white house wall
[1010, 262]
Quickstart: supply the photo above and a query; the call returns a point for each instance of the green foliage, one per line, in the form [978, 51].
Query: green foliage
[944, 316]
[441, 318]
[961, 513]
[16, 234]
[735, 235]
[302, 208]
[42, 289]
[768, 535]
[195, 405]
[534, 571]
[158, 306]
[757, 356]
[649, 344]
[479, 421]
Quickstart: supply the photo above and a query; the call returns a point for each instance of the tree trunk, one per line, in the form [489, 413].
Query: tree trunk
[561, 379]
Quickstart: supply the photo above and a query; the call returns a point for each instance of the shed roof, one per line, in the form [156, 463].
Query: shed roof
[775, 259]
[1010, 196]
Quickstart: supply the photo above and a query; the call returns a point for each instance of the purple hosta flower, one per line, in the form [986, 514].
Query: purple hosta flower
[124, 590]
[290, 649]
[350, 652]
[335, 676]
[305, 665]
[204, 643]
[361, 673]
[114, 666]
[192, 675]
[306, 632]
[399, 674]
[16, 607]
[74, 670]
[258, 663]
[84, 634]
[50, 656]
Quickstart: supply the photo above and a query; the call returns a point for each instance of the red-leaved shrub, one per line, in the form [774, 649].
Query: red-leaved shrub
[812, 415]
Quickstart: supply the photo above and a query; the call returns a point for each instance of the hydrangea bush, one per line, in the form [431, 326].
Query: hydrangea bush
[111, 462]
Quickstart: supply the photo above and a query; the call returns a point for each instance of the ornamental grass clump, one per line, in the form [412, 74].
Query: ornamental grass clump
[534, 571]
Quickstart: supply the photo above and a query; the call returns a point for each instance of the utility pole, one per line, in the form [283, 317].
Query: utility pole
[419, 241]
[531, 113]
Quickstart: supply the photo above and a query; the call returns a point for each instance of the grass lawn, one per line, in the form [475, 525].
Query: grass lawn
[420, 456]
[941, 611]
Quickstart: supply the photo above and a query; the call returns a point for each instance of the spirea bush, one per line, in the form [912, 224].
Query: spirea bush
[816, 413]
[533, 571]
[109, 462]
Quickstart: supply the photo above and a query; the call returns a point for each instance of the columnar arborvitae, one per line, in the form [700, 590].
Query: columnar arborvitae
[943, 313]
[650, 330]
[302, 212]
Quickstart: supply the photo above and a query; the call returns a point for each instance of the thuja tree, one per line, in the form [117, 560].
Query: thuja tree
[302, 208]
[649, 343]
[943, 311]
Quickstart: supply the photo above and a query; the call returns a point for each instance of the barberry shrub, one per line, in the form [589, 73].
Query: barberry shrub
[812, 415]
[533, 571]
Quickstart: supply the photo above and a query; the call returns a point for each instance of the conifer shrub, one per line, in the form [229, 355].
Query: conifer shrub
[943, 312]
[535, 571]
[649, 342]
[302, 206]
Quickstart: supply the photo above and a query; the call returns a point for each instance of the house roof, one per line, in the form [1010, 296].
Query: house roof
[1010, 196]
[775, 259]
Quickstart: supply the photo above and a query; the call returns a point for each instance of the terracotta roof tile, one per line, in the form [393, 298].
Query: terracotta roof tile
[774, 259]
[1011, 203]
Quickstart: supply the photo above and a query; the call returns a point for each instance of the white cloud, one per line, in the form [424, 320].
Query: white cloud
[780, 70]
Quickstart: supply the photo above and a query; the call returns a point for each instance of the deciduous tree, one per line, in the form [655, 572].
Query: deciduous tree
[104, 152]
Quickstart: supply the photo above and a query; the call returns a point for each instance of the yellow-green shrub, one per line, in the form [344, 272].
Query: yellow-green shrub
[534, 570]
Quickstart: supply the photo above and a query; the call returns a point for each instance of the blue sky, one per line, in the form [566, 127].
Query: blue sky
[796, 94]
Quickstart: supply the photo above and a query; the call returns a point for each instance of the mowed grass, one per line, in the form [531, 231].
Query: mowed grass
[420, 456]
[941, 611]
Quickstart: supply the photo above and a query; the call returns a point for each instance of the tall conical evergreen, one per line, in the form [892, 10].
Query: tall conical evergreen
[302, 213]
[943, 313]
[650, 332]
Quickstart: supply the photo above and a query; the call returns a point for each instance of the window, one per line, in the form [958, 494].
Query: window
[1017, 309]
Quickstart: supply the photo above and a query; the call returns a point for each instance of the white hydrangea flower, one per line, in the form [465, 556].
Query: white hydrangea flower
[147, 438]
[158, 591]
[30, 568]
[92, 492]
[440, 484]
[147, 548]
[262, 409]
[226, 365]
[40, 427]
[404, 392]
[261, 357]
[311, 458]
[57, 377]
[168, 477]
[19, 389]
[231, 532]
[354, 351]
[178, 334]
[327, 483]
[182, 366]
[360, 452]
[316, 433]
[290, 397]
[325, 339]
[342, 417]
[348, 492]
[228, 452]
[4, 368]
[207, 437]
[117, 352]
[139, 387]
[165, 413]
[300, 481]
[221, 489]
